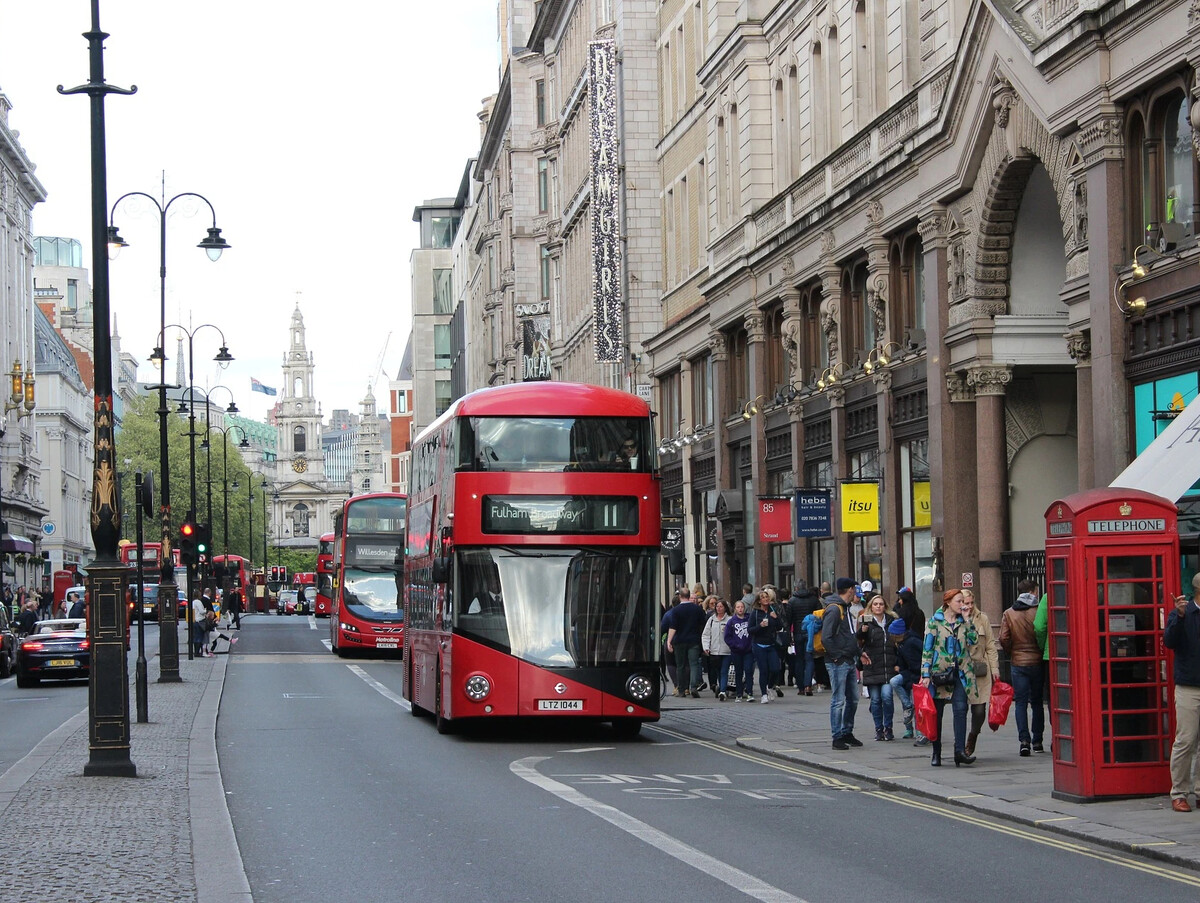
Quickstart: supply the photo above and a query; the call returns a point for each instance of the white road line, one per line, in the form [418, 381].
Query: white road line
[327, 643]
[312, 622]
[697, 859]
[380, 688]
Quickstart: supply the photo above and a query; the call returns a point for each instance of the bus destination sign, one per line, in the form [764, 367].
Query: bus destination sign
[527, 515]
[371, 554]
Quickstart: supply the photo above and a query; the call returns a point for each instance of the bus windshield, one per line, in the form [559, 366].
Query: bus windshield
[372, 593]
[556, 444]
[559, 607]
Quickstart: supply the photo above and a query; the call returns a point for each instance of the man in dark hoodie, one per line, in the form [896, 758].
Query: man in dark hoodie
[802, 603]
[1019, 639]
[840, 638]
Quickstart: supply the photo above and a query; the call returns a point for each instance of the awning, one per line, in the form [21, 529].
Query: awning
[11, 542]
[1171, 463]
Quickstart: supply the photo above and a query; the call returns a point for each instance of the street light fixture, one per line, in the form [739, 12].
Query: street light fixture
[168, 615]
[245, 443]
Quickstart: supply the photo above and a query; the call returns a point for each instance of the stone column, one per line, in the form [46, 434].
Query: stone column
[756, 341]
[793, 331]
[685, 457]
[878, 284]
[721, 456]
[831, 290]
[992, 455]
[1079, 345]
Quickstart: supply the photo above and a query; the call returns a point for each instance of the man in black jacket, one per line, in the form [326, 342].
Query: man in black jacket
[840, 637]
[802, 604]
[1182, 635]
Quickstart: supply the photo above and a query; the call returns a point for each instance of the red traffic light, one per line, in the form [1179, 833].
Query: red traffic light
[187, 529]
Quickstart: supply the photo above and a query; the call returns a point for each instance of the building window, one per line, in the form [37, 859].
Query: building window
[1162, 169]
[300, 520]
[739, 368]
[669, 404]
[539, 101]
[72, 294]
[544, 269]
[777, 361]
[441, 231]
[441, 396]
[443, 291]
[299, 439]
[441, 347]
[915, 536]
[543, 185]
[702, 390]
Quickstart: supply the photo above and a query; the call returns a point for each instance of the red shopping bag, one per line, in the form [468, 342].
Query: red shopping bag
[999, 704]
[924, 711]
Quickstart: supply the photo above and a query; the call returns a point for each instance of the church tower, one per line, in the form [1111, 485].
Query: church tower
[299, 418]
[367, 474]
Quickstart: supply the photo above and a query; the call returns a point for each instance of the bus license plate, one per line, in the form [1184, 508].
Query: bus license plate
[560, 705]
[386, 644]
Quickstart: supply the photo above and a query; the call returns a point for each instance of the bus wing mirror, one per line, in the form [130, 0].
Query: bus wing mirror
[441, 570]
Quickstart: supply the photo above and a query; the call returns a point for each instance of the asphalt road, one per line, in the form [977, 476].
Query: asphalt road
[337, 793]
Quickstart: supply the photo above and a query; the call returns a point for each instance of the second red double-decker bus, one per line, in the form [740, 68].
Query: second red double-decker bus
[534, 533]
[368, 570]
[324, 603]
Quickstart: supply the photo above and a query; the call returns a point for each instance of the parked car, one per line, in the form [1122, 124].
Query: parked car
[150, 601]
[8, 643]
[287, 602]
[57, 649]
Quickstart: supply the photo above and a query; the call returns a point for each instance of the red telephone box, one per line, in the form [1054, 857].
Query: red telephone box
[1112, 567]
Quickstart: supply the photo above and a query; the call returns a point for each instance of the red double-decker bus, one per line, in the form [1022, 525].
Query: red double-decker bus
[534, 534]
[324, 603]
[368, 571]
[233, 568]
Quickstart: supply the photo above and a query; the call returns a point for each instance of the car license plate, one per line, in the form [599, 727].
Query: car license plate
[386, 644]
[61, 663]
[560, 705]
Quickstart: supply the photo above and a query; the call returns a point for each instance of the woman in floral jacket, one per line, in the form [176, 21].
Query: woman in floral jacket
[948, 641]
[985, 663]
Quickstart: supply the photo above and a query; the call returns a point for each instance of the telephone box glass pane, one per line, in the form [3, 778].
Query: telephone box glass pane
[1065, 724]
[1061, 647]
[1065, 750]
[1058, 569]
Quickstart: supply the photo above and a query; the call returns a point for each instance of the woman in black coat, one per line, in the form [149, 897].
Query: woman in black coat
[878, 659]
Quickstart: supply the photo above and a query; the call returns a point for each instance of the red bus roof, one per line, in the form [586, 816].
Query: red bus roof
[548, 399]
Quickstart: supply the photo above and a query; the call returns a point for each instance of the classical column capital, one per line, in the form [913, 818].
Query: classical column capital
[958, 388]
[717, 347]
[755, 328]
[1079, 346]
[990, 380]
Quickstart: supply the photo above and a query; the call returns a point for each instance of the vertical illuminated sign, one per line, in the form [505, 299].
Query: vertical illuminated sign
[607, 322]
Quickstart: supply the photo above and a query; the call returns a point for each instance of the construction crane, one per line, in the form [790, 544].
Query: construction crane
[377, 372]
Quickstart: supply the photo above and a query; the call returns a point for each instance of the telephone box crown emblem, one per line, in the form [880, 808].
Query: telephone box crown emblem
[1126, 509]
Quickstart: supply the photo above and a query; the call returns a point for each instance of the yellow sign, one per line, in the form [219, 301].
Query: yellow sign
[860, 507]
[921, 516]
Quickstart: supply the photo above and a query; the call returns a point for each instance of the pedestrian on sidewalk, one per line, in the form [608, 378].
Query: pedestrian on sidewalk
[717, 650]
[666, 660]
[985, 664]
[840, 639]
[1182, 635]
[946, 650]
[907, 672]
[235, 609]
[802, 603]
[199, 625]
[764, 625]
[683, 641]
[741, 651]
[708, 602]
[1018, 638]
[878, 658]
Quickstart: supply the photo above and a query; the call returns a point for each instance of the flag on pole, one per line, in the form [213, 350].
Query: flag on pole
[256, 386]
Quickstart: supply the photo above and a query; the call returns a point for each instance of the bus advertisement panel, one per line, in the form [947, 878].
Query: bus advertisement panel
[368, 571]
[324, 602]
[533, 541]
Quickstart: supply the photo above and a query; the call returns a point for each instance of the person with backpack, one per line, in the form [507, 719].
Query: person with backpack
[800, 606]
[840, 639]
[737, 637]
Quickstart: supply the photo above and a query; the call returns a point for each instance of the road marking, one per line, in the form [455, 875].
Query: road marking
[312, 622]
[688, 855]
[380, 688]
[1042, 821]
[327, 643]
[1019, 831]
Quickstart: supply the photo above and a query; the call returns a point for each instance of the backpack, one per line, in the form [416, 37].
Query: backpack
[818, 643]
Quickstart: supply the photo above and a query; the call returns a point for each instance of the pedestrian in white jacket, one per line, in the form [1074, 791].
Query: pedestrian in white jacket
[712, 641]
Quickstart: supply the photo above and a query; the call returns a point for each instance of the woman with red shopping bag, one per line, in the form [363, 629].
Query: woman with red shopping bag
[946, 671]
[985, 663]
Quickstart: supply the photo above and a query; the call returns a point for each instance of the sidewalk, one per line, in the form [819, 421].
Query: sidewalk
[164, 835]
[1001, 783]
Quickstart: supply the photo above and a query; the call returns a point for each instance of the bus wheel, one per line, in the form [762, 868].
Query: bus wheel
[627, 728]
[443, 723]
[341, 651]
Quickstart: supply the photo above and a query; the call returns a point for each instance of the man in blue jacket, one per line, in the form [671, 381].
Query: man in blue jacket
[685, 625]
[1182, 635]
[840, 638]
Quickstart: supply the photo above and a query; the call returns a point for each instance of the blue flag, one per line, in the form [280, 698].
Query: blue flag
[256, 386]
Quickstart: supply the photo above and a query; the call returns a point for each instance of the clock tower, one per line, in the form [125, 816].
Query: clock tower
[299, 415]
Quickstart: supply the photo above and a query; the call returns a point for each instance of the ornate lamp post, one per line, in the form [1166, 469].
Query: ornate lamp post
[266, 487]
[245, 443]
[108, 696]
[213, 244]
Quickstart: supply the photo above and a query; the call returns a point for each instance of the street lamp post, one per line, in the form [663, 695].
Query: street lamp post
[213, 244]
[245, 443]
[108, 695]
[206, 572]
[266, 487]
[223, 358]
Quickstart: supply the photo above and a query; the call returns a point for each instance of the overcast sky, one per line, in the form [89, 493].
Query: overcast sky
[313, 128]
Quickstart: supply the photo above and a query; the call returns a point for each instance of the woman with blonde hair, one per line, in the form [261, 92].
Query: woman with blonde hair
[712, 641]
[985, 663]
[946, 670]
[764, 625]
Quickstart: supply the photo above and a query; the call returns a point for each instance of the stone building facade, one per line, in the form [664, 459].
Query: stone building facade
[917, 225]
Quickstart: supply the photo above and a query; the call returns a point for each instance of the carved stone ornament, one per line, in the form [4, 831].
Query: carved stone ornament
[787, 266]
[874, 212]
[755, 329]
[882, 379]
[828, 242]
[790, 336]
[989, 380]
[1079, 346]
[1194, 111]
[958, 390]
[958, 270]
[717, 347]
[1080, 217]
[1003, 98]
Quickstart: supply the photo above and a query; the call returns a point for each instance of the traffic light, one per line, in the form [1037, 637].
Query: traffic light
[283, 573]
[187, 542]
[203, 539]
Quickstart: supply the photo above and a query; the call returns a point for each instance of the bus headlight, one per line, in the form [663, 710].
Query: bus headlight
[640, 687]
[478, 687]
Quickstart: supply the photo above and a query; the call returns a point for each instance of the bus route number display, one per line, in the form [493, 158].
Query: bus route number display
[371, 554]
[528, 515]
